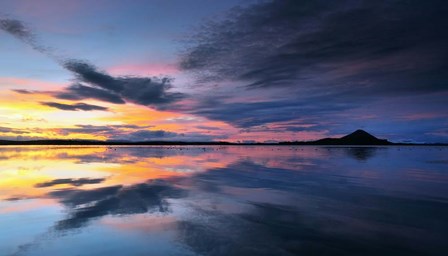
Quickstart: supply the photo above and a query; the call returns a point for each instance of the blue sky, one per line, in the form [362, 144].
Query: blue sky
[223, 70]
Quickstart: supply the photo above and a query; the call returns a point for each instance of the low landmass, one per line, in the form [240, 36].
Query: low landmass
[356, 138]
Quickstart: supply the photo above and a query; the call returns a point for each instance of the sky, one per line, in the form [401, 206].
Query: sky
[202, 70]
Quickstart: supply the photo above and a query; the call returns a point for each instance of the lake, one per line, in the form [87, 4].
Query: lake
[223, 200]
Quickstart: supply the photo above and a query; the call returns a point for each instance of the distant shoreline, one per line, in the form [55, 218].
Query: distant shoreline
[356, 138]
[182, 143]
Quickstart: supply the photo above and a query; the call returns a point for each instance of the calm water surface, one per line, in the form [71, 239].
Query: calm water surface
[217, 200]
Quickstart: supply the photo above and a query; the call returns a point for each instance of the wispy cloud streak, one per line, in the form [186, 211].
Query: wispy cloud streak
[91, 83]
[74, 107]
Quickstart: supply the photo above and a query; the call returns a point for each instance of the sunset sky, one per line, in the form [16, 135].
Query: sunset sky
[198, 70]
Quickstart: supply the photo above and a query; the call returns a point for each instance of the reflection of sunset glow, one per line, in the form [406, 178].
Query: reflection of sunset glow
[13, 207]
[142, 223]
[154, 190]
[24, 167]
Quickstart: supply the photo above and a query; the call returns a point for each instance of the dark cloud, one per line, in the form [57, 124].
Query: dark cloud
[87, 73]
[313, 60]
[22, 32]
[150, 135]
[22, 91]
[8, 129]
[80, 92]
[73, 182]
[74, 107]
[103, 130]
[99, 85]
[208, 128]
[17, 29]
[92, 83]
[161, 135]
[324, 63]
[247, 114]
[393, 46]
[4, 129]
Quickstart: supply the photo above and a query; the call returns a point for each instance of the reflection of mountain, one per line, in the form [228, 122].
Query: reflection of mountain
[361, 153]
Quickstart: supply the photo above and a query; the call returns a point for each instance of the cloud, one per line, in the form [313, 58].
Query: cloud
[160, 135]
[315, 60]
[316, 43]
[81, 92]
[292, 113]
[74, 107]
[144, 135]
[97, 84]
[23, 91]
[92, 83]
[279, 64]
[136, 133]
[73, 182]
[125, 132]
[12, 130]
[19, 30]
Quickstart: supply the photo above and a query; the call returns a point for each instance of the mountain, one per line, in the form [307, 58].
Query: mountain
[358, 137]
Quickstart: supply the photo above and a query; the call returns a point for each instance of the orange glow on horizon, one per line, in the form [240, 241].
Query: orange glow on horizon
[23, 117]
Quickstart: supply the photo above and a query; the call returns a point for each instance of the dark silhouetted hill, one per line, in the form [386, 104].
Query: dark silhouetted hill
[358, 137]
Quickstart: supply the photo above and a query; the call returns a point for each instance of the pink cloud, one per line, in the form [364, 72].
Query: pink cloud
[151, 69]
[28, 84]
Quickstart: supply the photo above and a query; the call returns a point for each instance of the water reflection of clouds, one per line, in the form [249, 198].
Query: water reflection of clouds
[85, 205]
[73, 182]
[68, 166]
[235, 200]
[323, 215]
